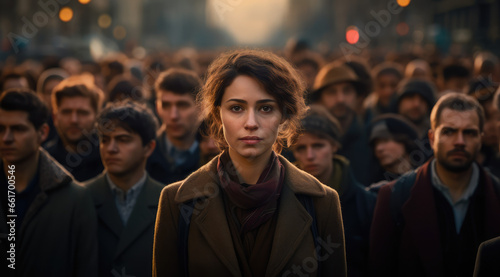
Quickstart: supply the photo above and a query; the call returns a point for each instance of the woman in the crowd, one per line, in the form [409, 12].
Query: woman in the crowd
[315, 152]
[250, 212]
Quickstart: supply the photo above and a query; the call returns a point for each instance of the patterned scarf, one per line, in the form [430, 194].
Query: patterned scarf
[257, 202]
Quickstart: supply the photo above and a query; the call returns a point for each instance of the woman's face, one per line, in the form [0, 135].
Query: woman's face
[250, 118]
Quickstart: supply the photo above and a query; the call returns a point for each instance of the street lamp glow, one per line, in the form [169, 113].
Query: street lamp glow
[66, 14]
[404, 3]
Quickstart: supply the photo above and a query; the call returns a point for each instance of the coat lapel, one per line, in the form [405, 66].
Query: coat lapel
[212, 223]
[421, 219]
[292, 226]
[142, 217]
[106, 207]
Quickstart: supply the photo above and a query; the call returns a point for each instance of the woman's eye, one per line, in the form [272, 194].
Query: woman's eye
[267, 109]
[235, 108]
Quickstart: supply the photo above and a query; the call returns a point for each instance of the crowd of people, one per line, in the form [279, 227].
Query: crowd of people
[251, 163]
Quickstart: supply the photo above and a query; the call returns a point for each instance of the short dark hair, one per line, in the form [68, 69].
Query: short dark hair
[22, 99]
[78, 85]
[457, 102]
[14, 74]
[274, 73]
[132, 116]
[455, 71]
[179, 81]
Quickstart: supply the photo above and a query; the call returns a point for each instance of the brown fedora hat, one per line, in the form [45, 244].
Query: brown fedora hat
[334, 73]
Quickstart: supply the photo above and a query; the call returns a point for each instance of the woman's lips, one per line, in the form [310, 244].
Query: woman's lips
[251, 140]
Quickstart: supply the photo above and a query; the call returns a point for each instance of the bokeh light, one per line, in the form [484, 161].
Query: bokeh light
[352, 34]
[404, 3]
[119, 32]
[66, 14]
[104, 21]
[84, 2]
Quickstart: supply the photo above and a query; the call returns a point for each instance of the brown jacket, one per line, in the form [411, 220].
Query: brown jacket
[210, 248]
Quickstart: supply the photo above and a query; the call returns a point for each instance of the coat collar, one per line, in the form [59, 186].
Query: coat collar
[205, 182]
[212, 221]
[142, 216]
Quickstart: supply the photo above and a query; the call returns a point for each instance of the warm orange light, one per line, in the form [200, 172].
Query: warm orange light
[119, 32]
[404, 3]
[84, 2]
[352, 35]
[66, 14]
[104, 21]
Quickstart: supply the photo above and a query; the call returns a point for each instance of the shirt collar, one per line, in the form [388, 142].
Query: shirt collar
[170, 147]
[135, 189]
[437, 183]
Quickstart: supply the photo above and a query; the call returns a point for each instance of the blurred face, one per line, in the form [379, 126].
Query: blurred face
[385, 86]
[47, 91]
[122, 152]
[314, 155]
[309, 73]
[250, 119]
[456, 140]
[19, 138]
[74, 118]
[208, 148]
[414, 108]
[15, 83]
[179, 114]
[339, 99]
[491, 136]
[389, 152]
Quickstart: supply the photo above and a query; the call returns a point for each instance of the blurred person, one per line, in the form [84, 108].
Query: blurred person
[494, 165]
[431, 221]
[208, 146]
[362, 70]
[418, 68]
[453, 78]
[55, 223]
[13, 79]
[486, 66]
[315, 152]
[122, 87]
[72, 65]
[386, 78]
[392, 139]
[76, 101]
[415, 99]
[487, 259]
[112, 67]
[338, 89]
[178, 152]
[483, 89]
[253, 213]
[309, 67]
[47, 81]
[125, 197]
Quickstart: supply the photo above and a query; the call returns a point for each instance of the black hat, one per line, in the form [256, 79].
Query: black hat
[392, 126]
[319, 120]
[417, 86]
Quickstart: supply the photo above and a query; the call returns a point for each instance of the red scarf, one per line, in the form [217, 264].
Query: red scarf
[258, 202]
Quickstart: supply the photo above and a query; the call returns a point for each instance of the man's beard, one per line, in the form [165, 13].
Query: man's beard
[457, 168]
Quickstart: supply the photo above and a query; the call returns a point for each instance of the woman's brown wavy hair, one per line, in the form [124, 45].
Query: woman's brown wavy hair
[274, 73]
